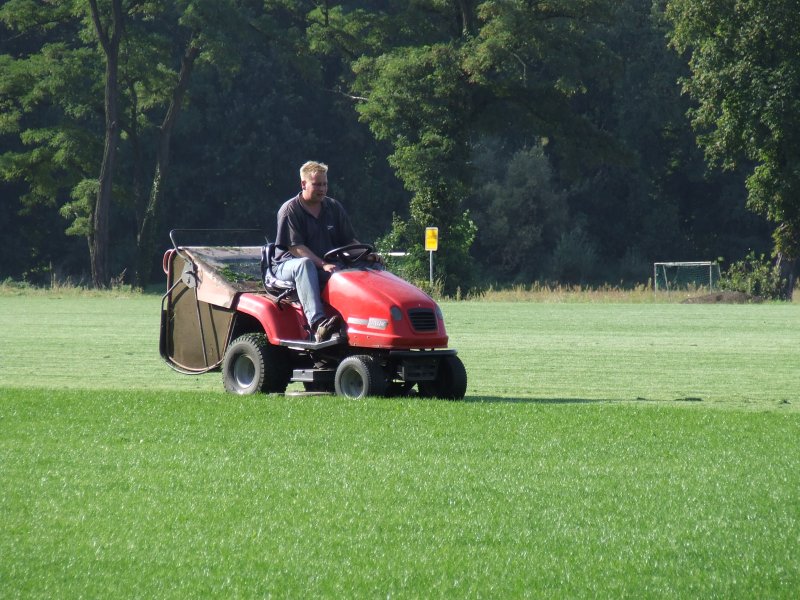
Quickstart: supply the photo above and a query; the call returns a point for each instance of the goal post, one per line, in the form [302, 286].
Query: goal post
[685, 276]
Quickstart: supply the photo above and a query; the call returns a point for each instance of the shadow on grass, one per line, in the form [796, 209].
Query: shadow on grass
[517, 400]
[513, 400]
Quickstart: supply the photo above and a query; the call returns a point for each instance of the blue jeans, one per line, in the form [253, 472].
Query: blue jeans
[303, 273]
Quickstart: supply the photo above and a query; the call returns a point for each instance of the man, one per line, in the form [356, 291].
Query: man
[310, 225]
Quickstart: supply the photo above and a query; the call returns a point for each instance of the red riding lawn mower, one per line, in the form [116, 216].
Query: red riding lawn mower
[224, 309]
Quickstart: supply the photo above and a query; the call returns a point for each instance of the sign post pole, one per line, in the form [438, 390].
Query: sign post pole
[431, 245]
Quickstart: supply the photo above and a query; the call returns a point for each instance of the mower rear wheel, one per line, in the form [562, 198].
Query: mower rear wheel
[360, 376]
[252, 365]
[450, 383]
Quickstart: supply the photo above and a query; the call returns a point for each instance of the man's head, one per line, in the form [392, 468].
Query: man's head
[312, 167]
[314, 180]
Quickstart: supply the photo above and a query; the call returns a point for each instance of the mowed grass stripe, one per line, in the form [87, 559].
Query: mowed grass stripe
[182, 494]
[747, 355]
[729, 355]
[71, 341]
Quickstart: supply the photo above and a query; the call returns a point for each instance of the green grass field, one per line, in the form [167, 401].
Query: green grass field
[603, 450]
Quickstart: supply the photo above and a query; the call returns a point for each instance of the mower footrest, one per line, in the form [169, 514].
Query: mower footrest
[311, 345]
[314, 375]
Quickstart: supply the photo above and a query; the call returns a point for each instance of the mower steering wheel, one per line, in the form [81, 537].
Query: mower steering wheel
[349, 254]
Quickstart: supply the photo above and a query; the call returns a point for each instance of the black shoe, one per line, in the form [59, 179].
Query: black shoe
[326, 328]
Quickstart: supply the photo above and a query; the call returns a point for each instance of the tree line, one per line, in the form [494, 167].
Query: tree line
[576, 141]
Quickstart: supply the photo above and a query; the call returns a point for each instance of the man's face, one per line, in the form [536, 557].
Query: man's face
[315, 188]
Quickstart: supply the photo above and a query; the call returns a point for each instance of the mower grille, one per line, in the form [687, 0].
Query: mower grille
[422, 319]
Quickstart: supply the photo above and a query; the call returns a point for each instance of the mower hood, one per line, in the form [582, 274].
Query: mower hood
[383, 311]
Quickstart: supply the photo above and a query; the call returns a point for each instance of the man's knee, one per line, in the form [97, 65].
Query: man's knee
[294, 268]
[305, 264]
[305, 271]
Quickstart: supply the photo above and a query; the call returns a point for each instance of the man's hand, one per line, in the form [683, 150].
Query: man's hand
[328, 267]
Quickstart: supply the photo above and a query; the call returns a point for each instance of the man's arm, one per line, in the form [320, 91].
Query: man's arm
[302, 251]
[371, 257]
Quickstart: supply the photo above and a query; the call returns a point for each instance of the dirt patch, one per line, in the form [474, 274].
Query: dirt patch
[726, 297]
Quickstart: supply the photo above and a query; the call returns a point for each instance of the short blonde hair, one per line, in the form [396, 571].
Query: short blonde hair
[310, 168]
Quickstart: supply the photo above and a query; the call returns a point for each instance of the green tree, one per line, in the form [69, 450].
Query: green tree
[247, 130]
[430, 145]
[109, 32]
[208, 32]
[468, 68]
[744, 57]
[656, 198]
[548, 126]
[114, 71]
[519, 211]
[52, 106]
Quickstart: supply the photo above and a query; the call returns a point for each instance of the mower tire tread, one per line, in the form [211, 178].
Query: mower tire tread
[251, 364]
[359, 376]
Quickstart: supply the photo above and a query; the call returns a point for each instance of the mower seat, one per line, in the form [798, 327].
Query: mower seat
[278, 288]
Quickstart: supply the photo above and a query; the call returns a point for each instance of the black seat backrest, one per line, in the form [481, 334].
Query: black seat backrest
[272, 284]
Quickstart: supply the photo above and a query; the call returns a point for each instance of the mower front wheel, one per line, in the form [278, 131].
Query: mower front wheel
[360, 376]
[252, 365]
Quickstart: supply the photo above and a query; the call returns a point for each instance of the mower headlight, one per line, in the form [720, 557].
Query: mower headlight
[397, 314]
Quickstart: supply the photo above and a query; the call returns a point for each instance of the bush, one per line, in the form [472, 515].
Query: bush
[574, 257]
[755, 276]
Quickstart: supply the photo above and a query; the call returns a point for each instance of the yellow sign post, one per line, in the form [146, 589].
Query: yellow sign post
[431, 239]
[431, 245]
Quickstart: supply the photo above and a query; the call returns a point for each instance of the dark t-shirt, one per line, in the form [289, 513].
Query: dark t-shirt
[296, 226]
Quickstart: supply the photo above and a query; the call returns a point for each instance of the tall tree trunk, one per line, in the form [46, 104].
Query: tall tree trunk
[787, 267]
[465, 10]
[132, 131]
[99, 235]
[787, 244]
[144, 239]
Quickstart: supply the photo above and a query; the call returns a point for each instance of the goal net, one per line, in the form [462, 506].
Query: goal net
[685, 276]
